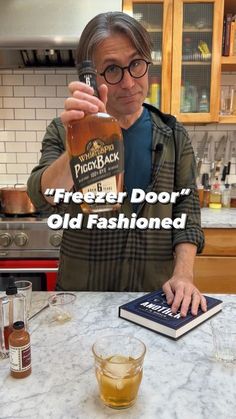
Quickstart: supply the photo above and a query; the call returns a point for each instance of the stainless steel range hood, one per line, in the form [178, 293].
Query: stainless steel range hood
[45, 32]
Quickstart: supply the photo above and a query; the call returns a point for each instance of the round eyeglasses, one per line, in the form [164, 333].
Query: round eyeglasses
[114, 73]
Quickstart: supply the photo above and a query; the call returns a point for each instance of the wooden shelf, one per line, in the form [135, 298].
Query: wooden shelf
[227, 119]
[228, 63]
[229, 60]
[194, 29]
[196, 63]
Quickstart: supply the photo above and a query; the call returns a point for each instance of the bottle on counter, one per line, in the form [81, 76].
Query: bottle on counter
[12, 308]
[233, 196]
[226, 196]
[200, 189]
[20, 351]
[95, 147]
[215, 195]
[206, 196]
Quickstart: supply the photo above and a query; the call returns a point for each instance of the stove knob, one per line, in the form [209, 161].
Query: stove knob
[21, 239]
[5, 239]
[55, 240]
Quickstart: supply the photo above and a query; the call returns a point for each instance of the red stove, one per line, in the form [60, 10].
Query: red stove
[29, 249]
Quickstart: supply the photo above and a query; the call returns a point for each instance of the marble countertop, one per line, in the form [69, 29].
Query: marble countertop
[218, 218]
[182, 380]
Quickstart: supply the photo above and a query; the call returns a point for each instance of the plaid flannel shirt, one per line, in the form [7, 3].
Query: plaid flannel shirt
[133, 259]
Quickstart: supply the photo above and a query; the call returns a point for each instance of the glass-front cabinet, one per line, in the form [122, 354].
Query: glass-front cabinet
[186, 56]
[156, 17]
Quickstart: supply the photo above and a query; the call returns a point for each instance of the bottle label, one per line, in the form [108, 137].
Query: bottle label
[100, 161]
[20, 358]
[106, 185]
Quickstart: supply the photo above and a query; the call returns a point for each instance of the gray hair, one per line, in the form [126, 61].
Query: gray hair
[106, 24]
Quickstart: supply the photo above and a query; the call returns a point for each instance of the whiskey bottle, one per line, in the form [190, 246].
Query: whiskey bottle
[95, 147]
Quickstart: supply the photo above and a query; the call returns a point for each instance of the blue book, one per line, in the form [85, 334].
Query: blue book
[152, 311]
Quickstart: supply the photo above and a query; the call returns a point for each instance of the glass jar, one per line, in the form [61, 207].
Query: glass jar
[233, 196]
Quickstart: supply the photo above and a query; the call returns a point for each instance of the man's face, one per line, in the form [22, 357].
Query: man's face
[126, 97]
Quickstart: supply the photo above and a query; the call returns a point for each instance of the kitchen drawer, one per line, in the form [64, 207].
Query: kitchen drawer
[220, 241]
[215, 274]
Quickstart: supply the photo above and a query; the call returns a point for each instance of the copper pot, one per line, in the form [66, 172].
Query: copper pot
[15, 200]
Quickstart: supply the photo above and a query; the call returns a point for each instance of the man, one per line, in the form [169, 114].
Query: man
[158, 157]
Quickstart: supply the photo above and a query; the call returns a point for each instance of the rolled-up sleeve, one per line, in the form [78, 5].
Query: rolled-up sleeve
[187, 204]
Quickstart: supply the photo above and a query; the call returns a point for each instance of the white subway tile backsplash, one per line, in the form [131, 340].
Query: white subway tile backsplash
[24, 91]
[44, 71]
[13, 102]
[6, 71]
[40, 135]
[71, 77]
[32, 147]
[34, 79]
[31, 98]
[6, 113]
[35, 125]
[35, 102]
[22, 179]
[55, 102]
[45, 91]
[7, 135]
[63, 91]
[23, 71]
[59, 111]
[15, 125]
[56, 80]
[26, 136]
[45, 113]
[14, 147]
[25, 113]
[3, 168]
[7, 179]
[16, 168]
[12, 80]
[69, 70]
[27, 157]
[6, 91]
[30, 167]
[7, 157]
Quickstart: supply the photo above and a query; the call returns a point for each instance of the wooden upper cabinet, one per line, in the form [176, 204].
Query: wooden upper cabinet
[156, 16]
[186, 71]
[196, 74]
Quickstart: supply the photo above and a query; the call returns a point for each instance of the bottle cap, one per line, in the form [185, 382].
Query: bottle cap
[87, 74]
[85, 67]
[19, 325]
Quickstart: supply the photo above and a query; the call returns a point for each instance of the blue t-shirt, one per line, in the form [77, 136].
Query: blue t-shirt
[138, 153]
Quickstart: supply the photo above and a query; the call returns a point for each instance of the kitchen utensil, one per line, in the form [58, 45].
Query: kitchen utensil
[220, 148]
[200, 152]
[227, 158]
[219, 154]
[211, 157]
[15, 200]
[205, 180]
[39, 311]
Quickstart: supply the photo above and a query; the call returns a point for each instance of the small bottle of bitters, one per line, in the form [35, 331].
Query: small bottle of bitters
[19, 351]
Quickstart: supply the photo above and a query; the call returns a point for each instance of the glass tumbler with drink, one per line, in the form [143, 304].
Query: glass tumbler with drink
[119, 369]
